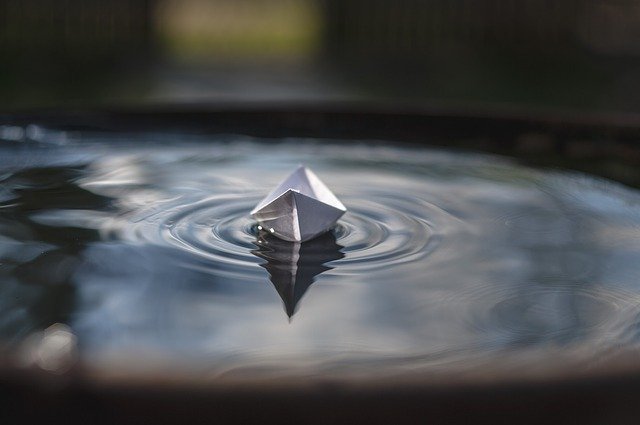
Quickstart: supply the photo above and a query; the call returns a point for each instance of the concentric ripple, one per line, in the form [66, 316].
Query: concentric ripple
[218, 229]
[206, 214]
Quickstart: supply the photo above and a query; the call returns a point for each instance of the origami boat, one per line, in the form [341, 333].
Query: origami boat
[300, 208]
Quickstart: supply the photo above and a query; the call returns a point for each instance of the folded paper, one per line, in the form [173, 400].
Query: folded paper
[300, 208]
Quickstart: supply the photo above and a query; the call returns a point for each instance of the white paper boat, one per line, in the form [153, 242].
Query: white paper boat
[300, 208]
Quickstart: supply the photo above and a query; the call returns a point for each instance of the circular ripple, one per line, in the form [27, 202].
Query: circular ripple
[559, 313]
[379, 235]
[373, 234]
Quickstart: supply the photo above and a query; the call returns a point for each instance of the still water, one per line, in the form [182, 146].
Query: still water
[143, 246]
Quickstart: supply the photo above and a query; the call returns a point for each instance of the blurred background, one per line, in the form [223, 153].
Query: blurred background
[530, 54]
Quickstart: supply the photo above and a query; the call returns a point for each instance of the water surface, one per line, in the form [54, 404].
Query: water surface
[142, 244]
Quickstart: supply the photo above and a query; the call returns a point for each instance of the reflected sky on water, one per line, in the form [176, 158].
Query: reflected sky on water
[143, 246]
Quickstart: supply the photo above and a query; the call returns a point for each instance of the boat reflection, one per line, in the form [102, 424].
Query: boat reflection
[293, 266]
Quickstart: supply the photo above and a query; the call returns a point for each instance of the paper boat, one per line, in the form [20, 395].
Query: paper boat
[300, 208]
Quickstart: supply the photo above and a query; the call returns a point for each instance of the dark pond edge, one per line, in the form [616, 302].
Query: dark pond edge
[604, 144]
[77, 398]
[342, 120]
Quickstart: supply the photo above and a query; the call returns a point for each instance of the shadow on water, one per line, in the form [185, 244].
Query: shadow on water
[294, 266]
[44, 257]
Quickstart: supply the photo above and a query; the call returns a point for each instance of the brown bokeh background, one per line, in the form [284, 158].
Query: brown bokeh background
[528, 54]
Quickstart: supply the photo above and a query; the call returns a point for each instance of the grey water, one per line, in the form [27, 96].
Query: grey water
[143, 246]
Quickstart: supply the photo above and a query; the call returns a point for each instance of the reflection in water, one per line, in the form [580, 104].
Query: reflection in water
[294, 266]
[37, 261]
